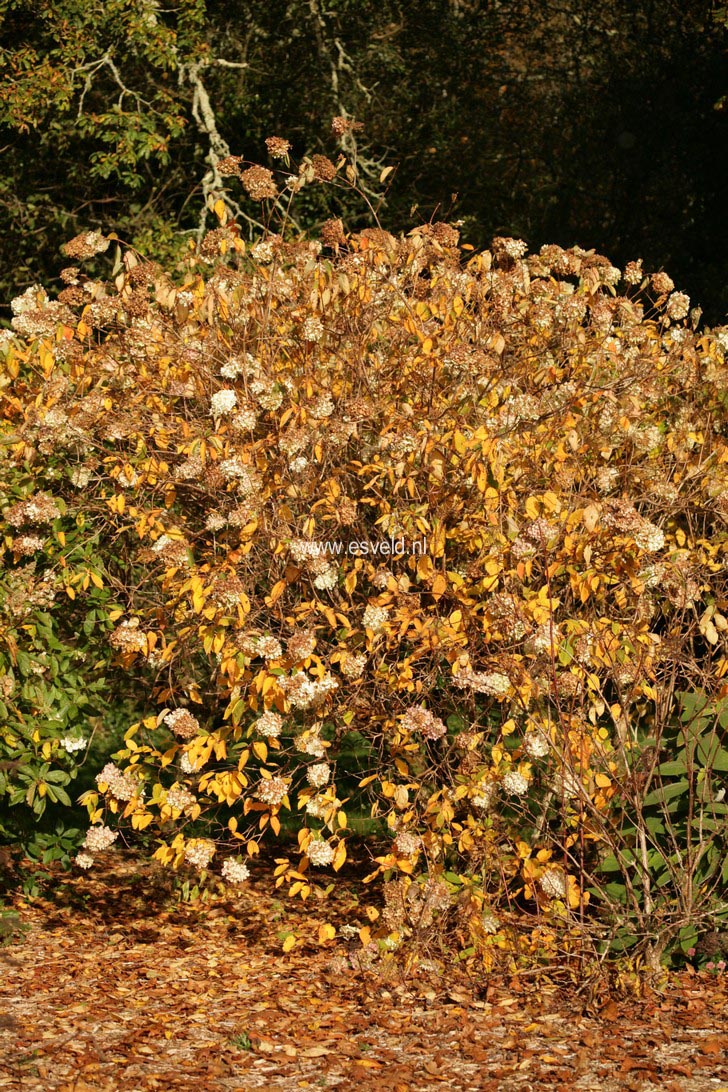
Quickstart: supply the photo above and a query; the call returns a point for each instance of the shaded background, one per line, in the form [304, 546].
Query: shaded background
[556, 121]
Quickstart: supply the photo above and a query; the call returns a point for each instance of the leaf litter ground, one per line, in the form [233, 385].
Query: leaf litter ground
[112, 984]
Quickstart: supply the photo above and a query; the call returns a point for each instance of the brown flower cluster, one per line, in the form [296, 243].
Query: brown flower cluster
[259, 183]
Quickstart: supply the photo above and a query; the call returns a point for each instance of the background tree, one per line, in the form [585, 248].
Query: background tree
[558, 121]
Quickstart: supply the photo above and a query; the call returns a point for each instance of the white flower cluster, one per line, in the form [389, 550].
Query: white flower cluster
[633, 272]
[32, 299]
[83, 860]
[485, 796]
[419, 719]
[567, 785]
[180, 798]
[269, 724]
[215, 522]
[313, 329]
[120, 785]
[301, 644]
[38, 509]
[199, 852]
[303, 549]
[27, 545]
[320, 853]
[72, 745]
[128, 477]
[127, 637]
[353, 666]
[554, 884]
[491, 924]
[646, 438]
[182, 723]
[318, 775]
[493, 683]
[80, 477]
[328, 579]
[306, 693]
[407, 843]
[234, 469]
[535, 745]
[542, 638]
[268, 648]
[234, 870]
[271, 790]
[375, 618]
[515, 783]
[245, 420]
[232, 368]
[318, 807]
[607, 478]
[186, 765]
[649, 538]
[99, 839]
[161, 543]
[298, 465]
[310, 743]
[677, 306]
[509, 248]
[190, 470]
[324, 407]
[268, 395]
[223, 402]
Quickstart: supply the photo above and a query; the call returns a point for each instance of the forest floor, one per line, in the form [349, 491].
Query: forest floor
[111, 984]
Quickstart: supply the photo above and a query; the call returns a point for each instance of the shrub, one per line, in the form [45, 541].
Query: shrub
[458, 518]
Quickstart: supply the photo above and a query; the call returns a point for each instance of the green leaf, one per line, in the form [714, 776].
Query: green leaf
[667, 792]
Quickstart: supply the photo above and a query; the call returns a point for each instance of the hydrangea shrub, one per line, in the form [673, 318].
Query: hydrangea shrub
[465, 510]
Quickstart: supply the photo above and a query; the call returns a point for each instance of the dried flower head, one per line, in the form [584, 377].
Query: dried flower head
[278, 147]
[340, 126]
[223, 402]
[678, 306]
[661, 284]
[119, 784]
[182, 723]
[86, 245]
[258, 182]
[419, 719]
[229, 165]
[323, 169]
[332, 233]
[272, 790]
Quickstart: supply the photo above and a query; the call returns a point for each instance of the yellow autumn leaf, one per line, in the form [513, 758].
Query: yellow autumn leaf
[439, 586]
[339, 856]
